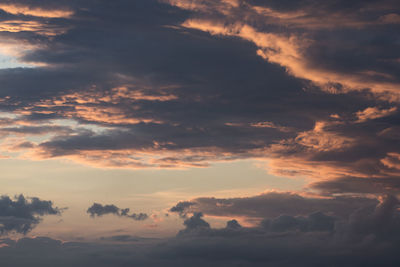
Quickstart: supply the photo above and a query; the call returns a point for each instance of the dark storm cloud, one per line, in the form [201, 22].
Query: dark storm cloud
[270, 205]
[369, 237]
[289, 241]
[99, 210]
[311, 86]
[21, 215]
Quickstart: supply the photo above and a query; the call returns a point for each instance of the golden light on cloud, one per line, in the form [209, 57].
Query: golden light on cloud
[20, 25]
[160, 129]
[108, 115]
[35, 11]
[302, 166]
[30, 26]
[150, 158]
[103, 107]
[374, 113]
[392, 161]
[288, 51]
[320, 139]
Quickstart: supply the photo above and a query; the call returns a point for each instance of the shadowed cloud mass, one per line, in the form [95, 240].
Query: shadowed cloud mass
[368, 237]
[273, 204]
[271, 81]
[304, 88]
[99, 210]
[21, 215]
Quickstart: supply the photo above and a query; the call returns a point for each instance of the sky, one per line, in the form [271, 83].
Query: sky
[201, 132]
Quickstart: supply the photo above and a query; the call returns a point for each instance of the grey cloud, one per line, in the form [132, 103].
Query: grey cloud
[36, 130]
[361, 185]
[181, 208]
[217, 101]
[125, 238]
[99, 210]
[284, 237]
[195, 224]
[367, 238]
[270, 205]
[315, 222]
[21, 215]
[233, 224]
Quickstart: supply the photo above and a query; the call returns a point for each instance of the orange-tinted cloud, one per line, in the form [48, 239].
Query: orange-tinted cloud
[17, 9]
[290, 49]
[30, 26]
[289, 52]
[374, 113]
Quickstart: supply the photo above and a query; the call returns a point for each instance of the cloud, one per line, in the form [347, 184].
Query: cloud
[99, 210]
[295, 50]
[358, 145]
[315, 222]
[358, 185]
[21, 215]
[280, 82]
[273, 204]
[368, 237]
[195, 223]
[181, 208]
[281, 238]
[372, 113]
[308, 88]
[391, 18]
[34, 11]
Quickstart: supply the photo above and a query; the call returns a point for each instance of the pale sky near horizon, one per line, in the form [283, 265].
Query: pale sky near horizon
[75, 186]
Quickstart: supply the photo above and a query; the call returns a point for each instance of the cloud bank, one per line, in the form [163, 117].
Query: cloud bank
[368, 237]
[269, 83]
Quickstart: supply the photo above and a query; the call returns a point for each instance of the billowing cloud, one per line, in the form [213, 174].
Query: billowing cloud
[280, 83]
[99, 210]
[296, 50]
[306, 88]
[368, 237]
[21, 215]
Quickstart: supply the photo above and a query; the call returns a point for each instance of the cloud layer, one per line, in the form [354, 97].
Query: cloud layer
[196, 82]
[307, 88]
[368, 237]
[152, 102]
[273, 204]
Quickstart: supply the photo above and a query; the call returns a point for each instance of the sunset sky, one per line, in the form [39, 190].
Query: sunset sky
[199, 133]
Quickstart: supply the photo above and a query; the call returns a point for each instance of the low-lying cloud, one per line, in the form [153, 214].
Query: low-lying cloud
[273, 204]
[20, 215]
[368, 237]
[99, 210]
